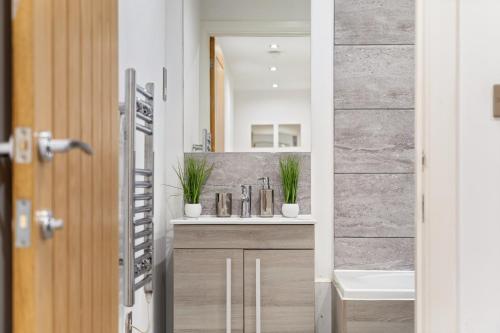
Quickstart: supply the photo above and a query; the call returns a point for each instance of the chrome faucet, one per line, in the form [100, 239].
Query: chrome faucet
[246, 201]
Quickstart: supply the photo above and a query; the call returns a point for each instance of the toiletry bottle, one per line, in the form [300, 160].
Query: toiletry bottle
[266, 198]
[246, 201]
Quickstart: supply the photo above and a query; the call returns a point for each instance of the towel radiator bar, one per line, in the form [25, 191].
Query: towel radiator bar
[137, 188]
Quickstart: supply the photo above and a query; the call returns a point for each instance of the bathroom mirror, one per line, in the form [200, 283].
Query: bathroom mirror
[246, 75]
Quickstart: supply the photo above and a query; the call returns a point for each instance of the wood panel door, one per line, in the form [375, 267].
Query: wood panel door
[65, 81]
[208, 291]
[217, 99]
[279, 291]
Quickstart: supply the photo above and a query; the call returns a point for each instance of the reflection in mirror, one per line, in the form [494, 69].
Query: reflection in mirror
[246, 75]
[262, 136]
[289, 135]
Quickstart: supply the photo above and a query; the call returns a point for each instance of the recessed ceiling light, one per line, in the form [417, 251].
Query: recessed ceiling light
[274, 46]
[275, 85]
[273, 68]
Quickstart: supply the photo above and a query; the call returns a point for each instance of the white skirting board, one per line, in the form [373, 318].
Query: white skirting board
[324, 309]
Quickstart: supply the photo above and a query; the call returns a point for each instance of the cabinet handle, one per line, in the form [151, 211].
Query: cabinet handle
[257, 295]
[228, 295]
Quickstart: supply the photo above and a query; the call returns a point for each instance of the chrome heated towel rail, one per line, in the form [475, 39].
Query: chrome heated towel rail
[137, 187]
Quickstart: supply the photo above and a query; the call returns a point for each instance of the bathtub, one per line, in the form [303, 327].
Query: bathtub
[375, 285]
[373, 301]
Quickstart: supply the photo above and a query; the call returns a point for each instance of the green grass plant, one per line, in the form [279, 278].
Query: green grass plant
[290, 172]
[193, 176]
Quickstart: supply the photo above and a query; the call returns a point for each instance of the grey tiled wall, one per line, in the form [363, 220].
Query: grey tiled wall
[374, 134]
[231, 170]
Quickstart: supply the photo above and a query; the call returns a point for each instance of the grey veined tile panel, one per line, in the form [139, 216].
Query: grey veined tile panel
[247, 168]
[374, 77]
[234, 169]
[374, 253]
[374, 141]
[374, 205]
[374, 21]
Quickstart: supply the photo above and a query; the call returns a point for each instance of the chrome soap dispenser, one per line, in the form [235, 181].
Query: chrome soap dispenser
[266, 198]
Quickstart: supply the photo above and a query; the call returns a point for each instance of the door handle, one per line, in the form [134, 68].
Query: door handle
[257, 297]
[7, 148]
[228, 295]
[48, 146]
[48, 223]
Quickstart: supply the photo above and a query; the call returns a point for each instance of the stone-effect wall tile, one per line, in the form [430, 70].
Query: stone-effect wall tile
[231, 170]
[374, 141]
[374, 77]
[374, 134]
[374, 253]
[374, 21]
[247, 168]
[374, 205]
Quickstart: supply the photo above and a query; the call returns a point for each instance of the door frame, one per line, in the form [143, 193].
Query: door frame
[437, 220]
[6, 171]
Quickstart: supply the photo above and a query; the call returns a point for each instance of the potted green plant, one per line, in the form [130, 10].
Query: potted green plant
[193, 176]
[290, 172]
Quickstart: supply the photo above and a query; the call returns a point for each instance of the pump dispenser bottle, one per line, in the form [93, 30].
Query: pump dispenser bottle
[266, 198]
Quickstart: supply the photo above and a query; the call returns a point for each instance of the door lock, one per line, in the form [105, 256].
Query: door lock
[48, 223]
[48, 146]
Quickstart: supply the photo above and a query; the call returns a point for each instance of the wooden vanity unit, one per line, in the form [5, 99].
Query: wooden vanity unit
[244, 275]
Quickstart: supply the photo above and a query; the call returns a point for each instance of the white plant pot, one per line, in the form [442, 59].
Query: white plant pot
[290, 210]
[192, 210]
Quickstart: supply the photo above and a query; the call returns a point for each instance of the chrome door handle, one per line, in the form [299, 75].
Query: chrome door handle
[257, 297]
[7, 148]
[228, 296]
[48, 223]
[48, 146]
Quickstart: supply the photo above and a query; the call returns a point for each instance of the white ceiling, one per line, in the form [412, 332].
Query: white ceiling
[248, 60]
[255, 10]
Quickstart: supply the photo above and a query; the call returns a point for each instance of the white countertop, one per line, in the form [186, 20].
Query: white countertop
[277, 219]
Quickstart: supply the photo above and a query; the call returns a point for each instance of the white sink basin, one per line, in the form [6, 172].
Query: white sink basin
[277, 219]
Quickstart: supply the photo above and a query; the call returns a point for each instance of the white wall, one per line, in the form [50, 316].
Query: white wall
[271, 107]
[479, 157]
[322, 23]
[192, 49]
[150, 38]
[228, 110]
[172, 147]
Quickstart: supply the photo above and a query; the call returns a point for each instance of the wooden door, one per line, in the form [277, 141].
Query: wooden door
[201, 295]
[217, 105]
[286, 287]
[65, 81]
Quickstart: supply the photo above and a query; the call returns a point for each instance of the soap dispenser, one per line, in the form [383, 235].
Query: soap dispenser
[266, 198]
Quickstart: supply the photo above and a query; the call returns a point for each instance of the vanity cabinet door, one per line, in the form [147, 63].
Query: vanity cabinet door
[208, 291]
[279, 291]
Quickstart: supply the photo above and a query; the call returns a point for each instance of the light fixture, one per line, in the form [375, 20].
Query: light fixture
[274, 46]
[275, 85]
[273, 68]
